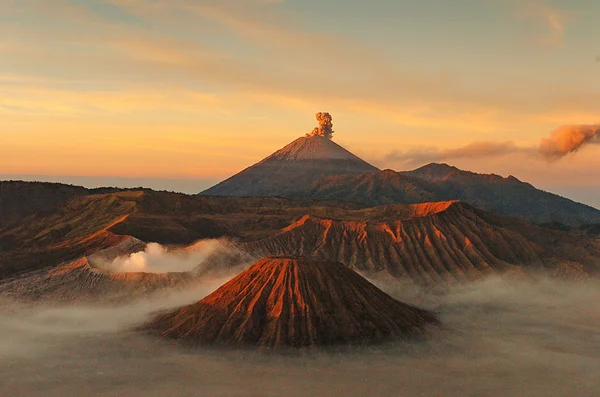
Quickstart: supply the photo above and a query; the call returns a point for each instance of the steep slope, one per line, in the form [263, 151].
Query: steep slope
[431, 243]
[295, 167]
[293, 302]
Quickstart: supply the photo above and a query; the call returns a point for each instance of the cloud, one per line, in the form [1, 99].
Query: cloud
[553, 20]
[473, 150]
[133, 57]
[568, 139]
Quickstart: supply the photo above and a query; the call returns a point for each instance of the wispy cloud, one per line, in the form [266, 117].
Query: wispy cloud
[553, 21]
[249, 50]
[475, 150]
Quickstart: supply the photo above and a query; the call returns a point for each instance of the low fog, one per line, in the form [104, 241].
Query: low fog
[502, 337]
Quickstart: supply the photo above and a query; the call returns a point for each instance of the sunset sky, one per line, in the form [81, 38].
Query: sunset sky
[178, 94]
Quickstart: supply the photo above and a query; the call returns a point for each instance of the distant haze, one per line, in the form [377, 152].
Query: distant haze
[589, 195]
[204, 88]
[188, 186]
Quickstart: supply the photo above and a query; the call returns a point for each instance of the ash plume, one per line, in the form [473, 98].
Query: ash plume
[568, 139]
[325, 128]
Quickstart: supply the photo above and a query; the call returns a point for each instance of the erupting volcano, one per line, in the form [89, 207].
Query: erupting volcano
[294, 302]
[295, 167]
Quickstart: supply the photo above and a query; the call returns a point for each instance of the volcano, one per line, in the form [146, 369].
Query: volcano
[294, 302]
[296, 167]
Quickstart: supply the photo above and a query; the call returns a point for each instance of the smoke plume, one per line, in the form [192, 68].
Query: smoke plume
[568, 139]
[158, 259]
[325, 128]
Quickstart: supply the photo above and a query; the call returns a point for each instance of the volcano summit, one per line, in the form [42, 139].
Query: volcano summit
[296, 167]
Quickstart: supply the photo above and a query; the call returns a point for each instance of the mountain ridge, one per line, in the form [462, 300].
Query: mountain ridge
[315, 167]
[270, 226]
[441, 182]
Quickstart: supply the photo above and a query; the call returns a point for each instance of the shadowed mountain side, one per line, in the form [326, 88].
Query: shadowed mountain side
[91, 223]
[426, 242]
[505, 196]
[171, 218]
[293, 302]
[379, 188]
[77, 229]
[453, 243]
[295, 167]
[19, 200]
[440, 182]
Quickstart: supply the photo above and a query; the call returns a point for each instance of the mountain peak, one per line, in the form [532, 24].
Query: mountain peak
[312, 147]
[294, 302]
[295, 167]
[436, 170]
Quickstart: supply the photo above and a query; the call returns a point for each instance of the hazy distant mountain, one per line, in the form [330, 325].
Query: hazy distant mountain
[295, 167]
[293, 302]
[315, 167]
[508, 196]
[441, 182]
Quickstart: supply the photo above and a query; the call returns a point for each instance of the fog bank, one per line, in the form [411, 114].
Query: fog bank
[502, 337]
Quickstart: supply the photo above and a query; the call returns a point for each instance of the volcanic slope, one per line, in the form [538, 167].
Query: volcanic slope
[441, 182]
[81, 281]
[90, 223]
[426, 242]
[505, 196]
[293, 302]
[432, 243]
[295, 167]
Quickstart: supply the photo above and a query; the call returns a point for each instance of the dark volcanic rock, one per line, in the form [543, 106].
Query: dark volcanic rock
[294, 302]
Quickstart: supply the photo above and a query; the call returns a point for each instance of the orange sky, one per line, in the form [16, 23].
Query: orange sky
[202, 89]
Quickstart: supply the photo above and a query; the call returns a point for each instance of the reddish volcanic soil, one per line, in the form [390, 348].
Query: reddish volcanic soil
[293, 302]
[428, 243]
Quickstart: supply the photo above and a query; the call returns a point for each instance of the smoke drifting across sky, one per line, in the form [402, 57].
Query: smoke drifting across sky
[563, 141]
[568, 139]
